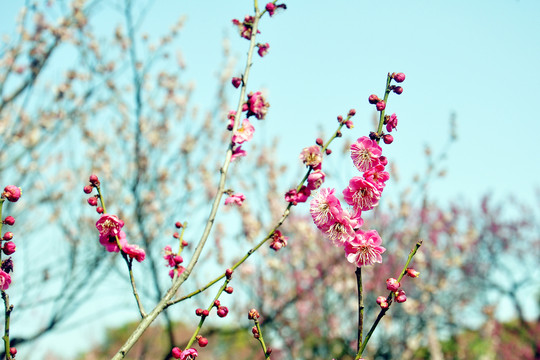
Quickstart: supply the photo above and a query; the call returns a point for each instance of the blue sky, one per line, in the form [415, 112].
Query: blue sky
[477, 59]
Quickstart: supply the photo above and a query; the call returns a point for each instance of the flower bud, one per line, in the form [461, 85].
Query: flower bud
[253, 314]
[178, 225]
[92, 201]
[383, 160]
[229, 290]
[392, 284]
[9, 220]
[410, 272]
[9, 248]
[222, 311]
[352, 112]
[388, 139]
[94, 180]
[328, 151]
[381, 300]
[87, 189]
[8, 236]
[319, 141]
[99, 210]
[340, 119]
[203, 341]
[381, 105]
[398, 90]
[399, 77]
[236, 82]
[400, 296]
[13, 351]
[12, 193]
[205, 312]
[176, 352]
[373, 99]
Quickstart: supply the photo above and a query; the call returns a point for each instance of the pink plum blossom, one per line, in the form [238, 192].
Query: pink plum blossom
[134, 252]
[173, 259]
[263, 49]
[257, 106]
[5, 280]
[392, 123]
[243, 133]
[246, 27]
[237, 199]
[342, 230]
[110, 242]
[365, 153]
[377, 176]
[311, 156]
[109, 225]
[361, 194]
[315, 179]
[296, 197]
[278, 240]
[238, 152]
[364, 249]
[178, 270]
[325, 209]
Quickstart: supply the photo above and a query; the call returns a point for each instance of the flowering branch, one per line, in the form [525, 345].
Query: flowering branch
[384, 309]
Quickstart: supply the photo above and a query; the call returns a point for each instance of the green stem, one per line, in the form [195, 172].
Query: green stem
[385, 99]
[261, 339]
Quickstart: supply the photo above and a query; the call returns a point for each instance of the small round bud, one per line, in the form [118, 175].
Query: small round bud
[398, 90]
[328, 151]
[94, 180]
[87, 189]
[8, 236]
[400, 296]
[381, 105]
[99, 210]
[339, 134]
[392, 284]
[176, 235]
[340, 119]
[228, 273]
[319, 141]
[381, 300]
[184, 243]
[198, 311]
[373, 99]
[92, 201]
[12, 193]
[352, 112]
[268, 351]
[388, 139]
[222, 311]
[229, 290]
[255, 332]
[349, 124]
[9, 248]
[13, 351]
[178, 225]
[399, 77]
[203, 341]
[176, 352]
[236, 82]
[253, 314]
[383, 160]
[217, 303]
[205, 312]
[9, 220]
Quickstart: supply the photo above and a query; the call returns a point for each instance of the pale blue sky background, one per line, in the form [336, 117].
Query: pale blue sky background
[478, 59]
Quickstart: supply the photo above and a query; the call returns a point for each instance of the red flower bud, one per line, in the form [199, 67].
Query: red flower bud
[9, 220]
[388, 139]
